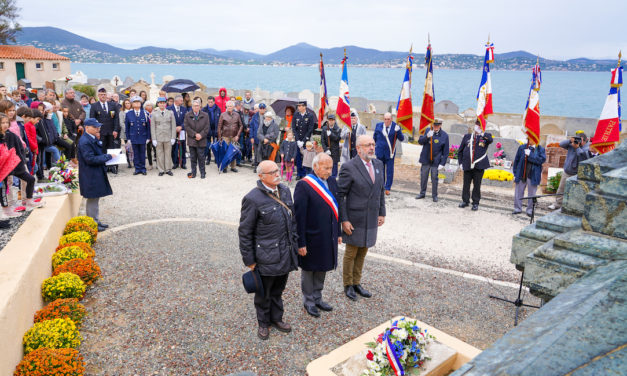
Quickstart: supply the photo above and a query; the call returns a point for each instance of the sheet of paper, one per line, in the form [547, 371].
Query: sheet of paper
[182, 135]
[120, 158]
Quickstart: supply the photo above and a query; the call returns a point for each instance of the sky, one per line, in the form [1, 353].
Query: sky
[555, 29]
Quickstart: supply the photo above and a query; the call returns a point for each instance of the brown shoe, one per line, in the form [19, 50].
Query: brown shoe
[387, 192]
[282, 326]
[263, 333]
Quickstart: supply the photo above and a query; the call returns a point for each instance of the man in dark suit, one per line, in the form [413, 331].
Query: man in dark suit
[267, 242]
[92, 180]
[137, 127]
[318, 224]
[386, 135]
[362, 210]
[432, 158]
[179, 149]
[303, 124]
[474, 160]
[197, 126]
[107, 114]
[330, 139]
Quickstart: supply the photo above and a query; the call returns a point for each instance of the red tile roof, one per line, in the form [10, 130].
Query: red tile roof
[28, 53]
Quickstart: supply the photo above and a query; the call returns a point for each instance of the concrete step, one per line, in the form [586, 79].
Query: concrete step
[581, 261]
[575, 195]
[529, 238]
[534, 232]
[592, 244]
[615, 182]
[593, 169]
[606, 214]
[546, 278]
[558, 222]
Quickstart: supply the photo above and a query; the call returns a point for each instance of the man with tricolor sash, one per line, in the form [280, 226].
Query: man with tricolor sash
[386, 135]
[318, 227]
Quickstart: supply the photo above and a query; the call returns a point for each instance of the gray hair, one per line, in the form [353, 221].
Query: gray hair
[67, 90]
[230, 103]
[178, 97]
[386, 114]
[148, 104]
[259, 170]
[50, 91]
[316, 160]
[197, 101]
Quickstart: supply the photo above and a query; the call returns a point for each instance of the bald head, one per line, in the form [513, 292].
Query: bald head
[268, 172]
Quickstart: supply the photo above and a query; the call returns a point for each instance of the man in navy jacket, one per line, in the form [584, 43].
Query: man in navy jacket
[386, 135]
[137, 124]
[432, 157]
[92, 180]
[179, 148]
[474, 160]
[527, 173]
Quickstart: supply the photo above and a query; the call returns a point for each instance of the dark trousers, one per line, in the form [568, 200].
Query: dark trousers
[178, 153]
[139, 157]
[30, 182]
[334, 171]
[108, 142]
[210, 140]
[269, 306]
[67, 147]
[388, 171]
[311, 284]
[300, 170]
[427, 169]
[150, 152]
[4, 202]
[197, 157]
[475, 176]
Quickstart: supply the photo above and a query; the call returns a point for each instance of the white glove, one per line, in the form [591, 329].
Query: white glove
[397, 128]
[172, 141]
[128, 142]
[154, 143]
[440, 167]
[300, 144]
[328, 133]
[147, 142]
[429, 134]
[328, 152]
[527, 152]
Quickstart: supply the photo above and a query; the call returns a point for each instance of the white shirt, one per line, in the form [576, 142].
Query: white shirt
[275, 190]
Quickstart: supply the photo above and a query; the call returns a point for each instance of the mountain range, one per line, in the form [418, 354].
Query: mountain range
[81, 49]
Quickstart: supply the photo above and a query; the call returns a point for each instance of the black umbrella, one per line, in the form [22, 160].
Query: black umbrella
[280, 104]
[180, 86]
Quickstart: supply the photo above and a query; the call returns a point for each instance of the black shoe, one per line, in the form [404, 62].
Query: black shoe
[435, 199]
[103, 225]
[202, 176]
[263, 333]
[224, 171]
[115, 170]
[101, 229]
[161, 173]
[324, 306]
[175, 167]
[136, 173]
[191, 175]
[282, 326]
[233, 169]
[239, 165]
[420, 196]
[313, 311]
[208, 163]
[144, 173]
[475, 207]
[350, 292]
[515, 212]
[463, 204]
[362, 291]
[170, 173]
[184, 168]
[129, 166]
[528, 215]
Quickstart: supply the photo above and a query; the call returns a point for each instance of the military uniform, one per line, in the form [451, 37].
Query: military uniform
[303, 126]
[138, 132]
[331, 143]
[434, 154]
[474, 160]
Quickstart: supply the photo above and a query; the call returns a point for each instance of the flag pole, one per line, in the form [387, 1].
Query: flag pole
[431, 124]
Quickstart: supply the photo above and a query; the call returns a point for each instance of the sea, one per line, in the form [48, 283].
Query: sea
[572, 94]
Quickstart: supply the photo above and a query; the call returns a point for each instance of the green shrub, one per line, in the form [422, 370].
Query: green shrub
[88, 90]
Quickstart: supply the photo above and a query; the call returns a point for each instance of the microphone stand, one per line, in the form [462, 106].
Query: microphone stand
[519, 301]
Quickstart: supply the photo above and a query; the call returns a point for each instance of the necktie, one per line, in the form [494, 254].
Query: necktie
[370, 171]
[387, 130]
[162, 113]
[104, 106]
[276, 194]
[137, 113]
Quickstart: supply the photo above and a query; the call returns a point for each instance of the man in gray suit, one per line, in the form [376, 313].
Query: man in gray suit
[163, 131]
[362, 209]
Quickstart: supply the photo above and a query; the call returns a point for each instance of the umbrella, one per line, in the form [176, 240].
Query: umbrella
[219, 149]
[280, 104]
[8, 161]
[231, 152]
[180, 86]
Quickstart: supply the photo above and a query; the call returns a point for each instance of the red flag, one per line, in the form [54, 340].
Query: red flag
[324, 100]
[343, 110]
[608, 129]
[484, 95]
[531, 117]
[404, 109]
[426, 113]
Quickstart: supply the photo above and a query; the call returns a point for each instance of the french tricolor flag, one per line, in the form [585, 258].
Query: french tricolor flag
[531, 116]
[343, 110]
[484, 95]
[609, 126]
[426, 114]
[404, 109]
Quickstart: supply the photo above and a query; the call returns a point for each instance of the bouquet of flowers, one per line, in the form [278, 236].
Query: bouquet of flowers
[452, 151]
[64, 173]
[399, 347]
[500, 153]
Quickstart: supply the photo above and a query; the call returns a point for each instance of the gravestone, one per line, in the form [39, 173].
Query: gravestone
[459, 128]
[372, 108]
[307, 95]
[93, 81]
[509, 146]
[128, 81]
[512, 131]
[454, 139]
[116, 81]
[359, 103]
[446, 107]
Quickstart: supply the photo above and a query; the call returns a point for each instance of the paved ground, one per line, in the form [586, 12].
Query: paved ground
[171, 303]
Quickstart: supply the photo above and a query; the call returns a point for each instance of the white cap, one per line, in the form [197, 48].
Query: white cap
[136, 98]
[269, 114]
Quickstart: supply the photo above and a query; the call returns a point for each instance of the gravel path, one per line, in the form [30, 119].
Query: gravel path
[171, 303]
[7, 233]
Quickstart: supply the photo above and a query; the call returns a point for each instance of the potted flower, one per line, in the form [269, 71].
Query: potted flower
[453, 154]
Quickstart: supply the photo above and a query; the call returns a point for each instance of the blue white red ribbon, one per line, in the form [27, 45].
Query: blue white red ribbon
[318, 186]
[395, 362]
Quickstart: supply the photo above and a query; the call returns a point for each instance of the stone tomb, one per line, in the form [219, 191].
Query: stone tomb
[447, 354]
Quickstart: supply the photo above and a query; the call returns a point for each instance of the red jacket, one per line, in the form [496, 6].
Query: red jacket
[31, 133]
[221, 101]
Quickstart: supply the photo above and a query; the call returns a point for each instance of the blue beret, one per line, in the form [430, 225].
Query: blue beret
[262, 105]
[92, 122]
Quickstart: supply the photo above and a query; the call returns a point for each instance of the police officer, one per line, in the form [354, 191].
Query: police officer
[474, 160]
[137, 129]
[303, 124]
[432, 157]
[330, 139]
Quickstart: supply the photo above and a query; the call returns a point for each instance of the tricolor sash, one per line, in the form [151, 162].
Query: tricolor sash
[394, 361]
[318, 186]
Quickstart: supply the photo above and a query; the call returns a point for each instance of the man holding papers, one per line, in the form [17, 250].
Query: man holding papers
[92, 179]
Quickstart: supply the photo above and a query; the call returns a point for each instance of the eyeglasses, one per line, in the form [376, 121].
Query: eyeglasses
[369, 144]
[273, 172]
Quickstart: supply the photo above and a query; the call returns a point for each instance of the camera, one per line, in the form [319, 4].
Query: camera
[577, 140]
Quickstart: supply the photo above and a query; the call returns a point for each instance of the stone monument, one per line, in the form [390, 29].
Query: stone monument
[576, 259]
